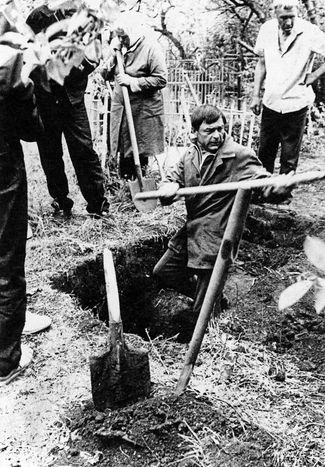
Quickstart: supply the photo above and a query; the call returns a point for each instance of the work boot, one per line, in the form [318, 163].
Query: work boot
[63, 204]
[35, 323]
[25, 360]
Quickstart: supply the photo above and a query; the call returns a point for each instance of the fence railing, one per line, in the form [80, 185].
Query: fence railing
[220, 82]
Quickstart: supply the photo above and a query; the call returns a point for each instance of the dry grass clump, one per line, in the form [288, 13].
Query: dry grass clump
[259, 388]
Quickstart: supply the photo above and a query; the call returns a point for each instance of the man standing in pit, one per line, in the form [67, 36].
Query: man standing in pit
[213, 158]
[286, 46]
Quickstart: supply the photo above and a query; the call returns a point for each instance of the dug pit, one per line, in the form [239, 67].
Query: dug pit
[270, 258]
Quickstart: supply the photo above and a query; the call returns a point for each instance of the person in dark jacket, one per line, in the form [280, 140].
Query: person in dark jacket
[145, 76]
[213, 158]
[63, 111]
[17, 112]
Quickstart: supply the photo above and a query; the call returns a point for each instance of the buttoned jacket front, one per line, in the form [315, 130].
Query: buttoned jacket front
[207, 214]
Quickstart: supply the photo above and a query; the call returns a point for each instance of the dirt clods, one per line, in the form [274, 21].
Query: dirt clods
[160, 431]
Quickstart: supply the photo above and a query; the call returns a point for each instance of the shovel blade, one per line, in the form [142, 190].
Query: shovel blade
[119, 376]
[149, 184]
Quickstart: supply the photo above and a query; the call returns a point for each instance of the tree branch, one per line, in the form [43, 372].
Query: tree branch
[170, 36]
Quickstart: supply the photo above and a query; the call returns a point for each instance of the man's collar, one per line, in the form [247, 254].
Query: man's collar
[297, 29]
[225, 150]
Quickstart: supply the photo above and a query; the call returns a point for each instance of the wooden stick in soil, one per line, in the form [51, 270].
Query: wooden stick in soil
[227, 253]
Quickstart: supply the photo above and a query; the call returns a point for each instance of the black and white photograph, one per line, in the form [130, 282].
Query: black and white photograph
[162, 233]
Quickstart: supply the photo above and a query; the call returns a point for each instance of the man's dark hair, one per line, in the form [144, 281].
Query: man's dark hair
[206, 113]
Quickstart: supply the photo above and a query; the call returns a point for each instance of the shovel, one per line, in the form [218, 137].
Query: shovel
[140, 184]
[122, 374]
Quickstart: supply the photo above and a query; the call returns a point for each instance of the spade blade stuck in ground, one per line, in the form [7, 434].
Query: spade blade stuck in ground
[122, 374]
[148, 184]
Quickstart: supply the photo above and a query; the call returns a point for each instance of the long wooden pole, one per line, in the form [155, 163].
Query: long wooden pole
[129, 118]
[227, 253]
[277, 181]
[104, 134]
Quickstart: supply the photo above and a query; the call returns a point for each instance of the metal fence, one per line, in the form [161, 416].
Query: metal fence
[223, 82]
[220, 81]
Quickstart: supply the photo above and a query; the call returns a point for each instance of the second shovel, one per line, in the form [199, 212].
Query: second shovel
[122, 374]
[141, 184]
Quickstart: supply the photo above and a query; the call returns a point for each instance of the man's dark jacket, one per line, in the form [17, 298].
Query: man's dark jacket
[207, 214]
[75, 84]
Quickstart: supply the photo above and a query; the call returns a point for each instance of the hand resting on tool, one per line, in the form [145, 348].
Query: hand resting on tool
[168, 192]
[110, 61]
[279, 194]
[115, 45]
[124, 79]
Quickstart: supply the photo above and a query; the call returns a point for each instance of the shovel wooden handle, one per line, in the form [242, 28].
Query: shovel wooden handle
[277, 181]
[113, 301]
[227, 253]
[129, 118]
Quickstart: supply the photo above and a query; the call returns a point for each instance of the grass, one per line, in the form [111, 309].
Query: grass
[235, 375]
[239, 377]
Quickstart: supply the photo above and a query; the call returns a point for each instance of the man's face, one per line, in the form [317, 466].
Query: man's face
[211, 135]
[123, 38]
[286, 19]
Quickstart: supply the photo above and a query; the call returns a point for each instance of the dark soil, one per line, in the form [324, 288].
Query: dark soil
[160, 431]
[258, 389]
[154, 433]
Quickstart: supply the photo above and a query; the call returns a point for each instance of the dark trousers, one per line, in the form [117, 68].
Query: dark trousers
[13, 233]
[173, 273]
[127, 166]
[60, 117]
[287, 129]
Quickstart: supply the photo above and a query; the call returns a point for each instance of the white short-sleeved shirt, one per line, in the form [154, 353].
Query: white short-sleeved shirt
[286, 70]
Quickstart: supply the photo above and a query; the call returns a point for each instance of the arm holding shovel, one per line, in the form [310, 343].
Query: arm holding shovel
[141, 75]
[168, 192]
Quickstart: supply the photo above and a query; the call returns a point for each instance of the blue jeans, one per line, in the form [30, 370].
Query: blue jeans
[13, 233]
[285, 129]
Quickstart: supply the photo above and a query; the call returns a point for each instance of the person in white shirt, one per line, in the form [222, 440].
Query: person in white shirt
[286, 46]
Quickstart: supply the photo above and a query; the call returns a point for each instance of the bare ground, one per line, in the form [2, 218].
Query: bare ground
[257, 395]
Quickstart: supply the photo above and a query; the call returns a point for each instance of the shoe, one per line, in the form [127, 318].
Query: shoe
[102, 212]
[29, 231]
[35, 323]
[25, 360]
[62, 204]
